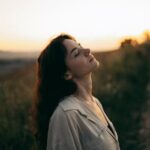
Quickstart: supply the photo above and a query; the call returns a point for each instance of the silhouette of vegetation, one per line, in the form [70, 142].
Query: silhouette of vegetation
[122, 88]
[121, 84]
[15, 100]
[129, 43]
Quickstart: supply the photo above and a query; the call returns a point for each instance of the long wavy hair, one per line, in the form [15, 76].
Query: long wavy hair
[50, 87]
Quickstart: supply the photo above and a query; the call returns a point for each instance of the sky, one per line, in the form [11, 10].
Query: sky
[98, 24]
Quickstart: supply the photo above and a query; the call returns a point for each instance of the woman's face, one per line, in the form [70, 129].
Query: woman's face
[79, 60]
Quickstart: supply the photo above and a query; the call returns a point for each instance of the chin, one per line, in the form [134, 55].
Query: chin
[95, 65]
[98, 64]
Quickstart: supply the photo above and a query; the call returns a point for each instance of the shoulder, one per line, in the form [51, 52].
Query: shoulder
[69, 103]
[66, 108]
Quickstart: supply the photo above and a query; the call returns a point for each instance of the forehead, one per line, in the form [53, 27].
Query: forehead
[70, 44]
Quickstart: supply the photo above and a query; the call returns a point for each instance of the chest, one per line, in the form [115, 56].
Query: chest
[94, 136]
[98, 112]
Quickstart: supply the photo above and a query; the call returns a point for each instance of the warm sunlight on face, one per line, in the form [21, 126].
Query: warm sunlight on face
[79, 60]
[90, 21]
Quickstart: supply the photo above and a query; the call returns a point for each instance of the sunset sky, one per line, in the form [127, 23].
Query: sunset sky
[98, 24]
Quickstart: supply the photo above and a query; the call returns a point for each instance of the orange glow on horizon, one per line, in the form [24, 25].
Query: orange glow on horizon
[21, 45]
[100, 44]
[97, 44]
[98, 24]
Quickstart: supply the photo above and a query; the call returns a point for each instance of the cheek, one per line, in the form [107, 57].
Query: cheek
[79, 67]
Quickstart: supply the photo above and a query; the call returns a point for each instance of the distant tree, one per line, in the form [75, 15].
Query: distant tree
[146, 36]
[128, 43]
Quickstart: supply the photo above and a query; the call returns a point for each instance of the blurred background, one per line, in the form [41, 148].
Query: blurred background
[118, 33]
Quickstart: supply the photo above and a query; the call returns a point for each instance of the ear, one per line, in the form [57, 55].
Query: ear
[68, 75]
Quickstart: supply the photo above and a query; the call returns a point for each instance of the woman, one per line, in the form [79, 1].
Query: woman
[67, 115]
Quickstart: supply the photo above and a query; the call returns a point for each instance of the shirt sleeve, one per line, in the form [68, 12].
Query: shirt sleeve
[62, 132]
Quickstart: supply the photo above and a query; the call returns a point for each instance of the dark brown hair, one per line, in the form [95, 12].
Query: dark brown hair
[50, 87]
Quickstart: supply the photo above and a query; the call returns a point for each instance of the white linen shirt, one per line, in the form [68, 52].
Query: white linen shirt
[74, 127]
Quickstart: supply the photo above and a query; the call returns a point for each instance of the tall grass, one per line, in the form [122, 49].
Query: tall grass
[15, 100]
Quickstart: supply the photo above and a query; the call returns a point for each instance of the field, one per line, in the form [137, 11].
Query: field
[15, 100]
[122, 84]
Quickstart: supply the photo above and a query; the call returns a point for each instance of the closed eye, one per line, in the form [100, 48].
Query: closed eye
[76, 52]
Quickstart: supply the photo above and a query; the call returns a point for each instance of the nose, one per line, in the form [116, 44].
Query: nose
[87, 51]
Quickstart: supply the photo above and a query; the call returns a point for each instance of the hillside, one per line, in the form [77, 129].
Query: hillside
[13, 61]
[17, 55]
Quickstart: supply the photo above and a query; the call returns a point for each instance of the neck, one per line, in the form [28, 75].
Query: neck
[84, 88]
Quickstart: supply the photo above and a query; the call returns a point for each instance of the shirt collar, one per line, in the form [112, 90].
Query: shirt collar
[73, 103]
